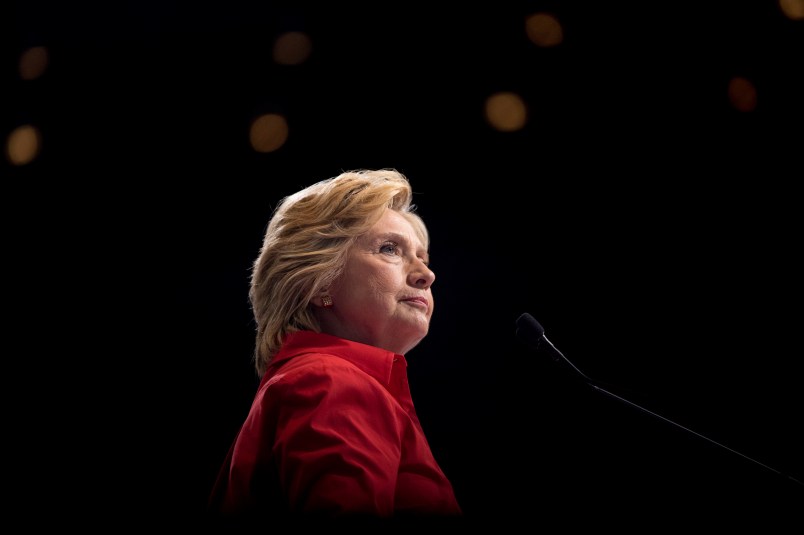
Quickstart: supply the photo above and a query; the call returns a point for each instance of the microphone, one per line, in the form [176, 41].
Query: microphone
[531, 333]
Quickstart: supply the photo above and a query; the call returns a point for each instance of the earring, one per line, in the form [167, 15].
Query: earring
[326, 301]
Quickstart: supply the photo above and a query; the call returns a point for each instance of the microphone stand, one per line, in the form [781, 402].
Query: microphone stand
[532, 334]
[643, 409]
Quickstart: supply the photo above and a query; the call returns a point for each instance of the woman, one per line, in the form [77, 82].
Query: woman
[340, 292]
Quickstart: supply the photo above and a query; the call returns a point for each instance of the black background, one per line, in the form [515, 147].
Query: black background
[650, 228]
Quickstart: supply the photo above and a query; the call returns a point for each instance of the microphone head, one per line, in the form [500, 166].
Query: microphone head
[529, 331]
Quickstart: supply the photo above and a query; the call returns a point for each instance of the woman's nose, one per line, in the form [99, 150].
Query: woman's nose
[422, 276]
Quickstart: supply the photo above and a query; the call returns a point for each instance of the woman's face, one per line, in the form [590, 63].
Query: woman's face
[383, 297]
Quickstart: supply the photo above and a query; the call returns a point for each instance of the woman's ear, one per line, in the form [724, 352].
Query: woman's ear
[323, 299]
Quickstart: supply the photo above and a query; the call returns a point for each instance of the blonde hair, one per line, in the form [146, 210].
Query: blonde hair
[306, 245]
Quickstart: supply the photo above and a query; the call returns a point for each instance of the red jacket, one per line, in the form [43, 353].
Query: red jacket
[332, 431]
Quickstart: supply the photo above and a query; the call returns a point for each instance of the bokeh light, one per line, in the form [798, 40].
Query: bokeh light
[506, 111]
[544, 30]
[292, 48]
[792, 9]
[268, 132]
[33, 63]
[742, 94]
[23, 145]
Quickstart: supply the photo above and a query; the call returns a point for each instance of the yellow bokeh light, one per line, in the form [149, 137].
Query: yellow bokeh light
[792, 9]
[268, 132]
[33, 63]
[506, 111]
[292, 48]
[544, 30]
[23, 145]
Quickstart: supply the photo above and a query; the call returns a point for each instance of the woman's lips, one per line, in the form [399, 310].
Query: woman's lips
[418, 301]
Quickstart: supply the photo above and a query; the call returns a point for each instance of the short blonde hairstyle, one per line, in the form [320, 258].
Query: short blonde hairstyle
[306, 244]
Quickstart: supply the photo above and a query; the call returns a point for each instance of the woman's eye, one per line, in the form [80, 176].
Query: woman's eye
[389, 248]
